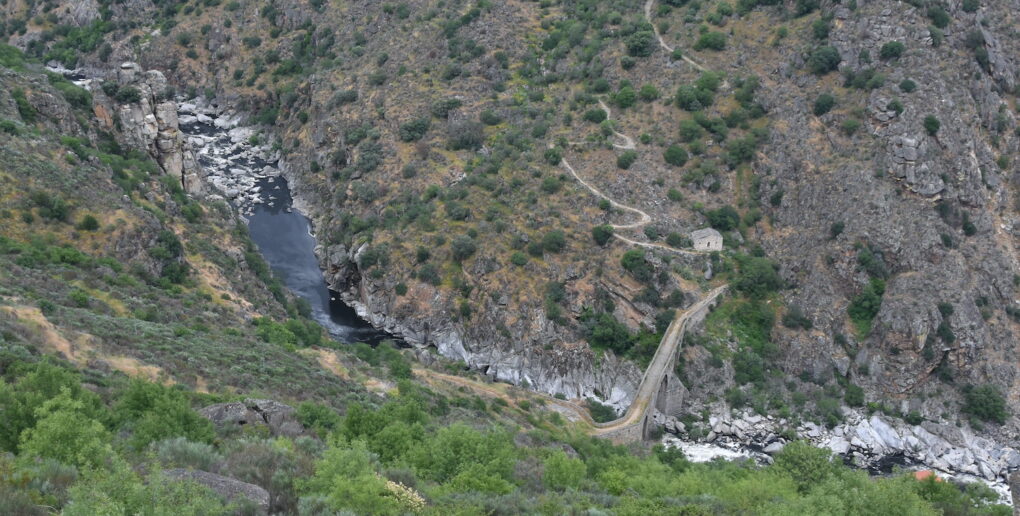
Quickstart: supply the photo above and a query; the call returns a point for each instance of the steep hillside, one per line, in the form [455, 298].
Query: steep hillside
[467, 166]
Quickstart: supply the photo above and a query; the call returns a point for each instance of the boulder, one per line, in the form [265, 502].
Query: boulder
[273, 414]
[230, 489]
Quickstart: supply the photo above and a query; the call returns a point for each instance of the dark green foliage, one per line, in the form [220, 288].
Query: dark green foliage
[599, 412]
[891, 50]
[490, 117]
[553, 156]
[345, 97]
[795, 318]
[823, 104]
[465, 135]
[25, 108]
[725, 218]
[908, 86]
[595, 116]
[824, 60]
[640, 44]
[675, 155]
[414, 130]
[151, 412]
[88, 223]
[626, 159]
[602, 234]
[128, 95]
[865, 306]
[554, 241]
[932, 125]
[463, 247]
[634, 262]
[939, 17]
[970, 6]
[854, 396]
[711, 40]
[985, 402]
[442, 108]
[758, 277]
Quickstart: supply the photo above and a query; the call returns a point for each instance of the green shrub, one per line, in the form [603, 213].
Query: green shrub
[490, 117]
[640, 44]
[649, 93]
[675, 155]
[865, 306]
[414, 130]
[463, 247]
[985, 403]
[824, 60]
[518, 258]
[725, 218]
[88, 223]
[554, 241]
[596, 116]
[626, 159]
[932, 125]
[25, 108]
[938, 16]
[602, 234]
[891, 50]
[850, 126]
[711, 40]
[823, 104]
[599, 412]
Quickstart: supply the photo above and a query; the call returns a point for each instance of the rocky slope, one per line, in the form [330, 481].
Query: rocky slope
[417, 136]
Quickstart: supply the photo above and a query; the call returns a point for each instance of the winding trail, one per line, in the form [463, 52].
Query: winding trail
[628, 141]
[662, 43]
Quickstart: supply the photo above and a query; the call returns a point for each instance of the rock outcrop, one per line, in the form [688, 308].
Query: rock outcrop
[277, 417]
[230, 489]
[147, 119]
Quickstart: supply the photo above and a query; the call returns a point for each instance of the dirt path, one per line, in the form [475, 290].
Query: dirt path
[628, 141]
[662, 43]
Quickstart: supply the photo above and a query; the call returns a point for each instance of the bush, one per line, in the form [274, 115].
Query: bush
[463, 247]
[554, 241]
[985, 403]
[932, 125]
[553, 156]
[795, 318]
[850, 126]
[824, 60]
[345, 97]
[634, 262]
[758, 277]
[865, 306]
[970, 6]
[599, 412]
[625, 98]
[602, 234]
[518, 258]
[415, 129]
[690, 130]
[442, 108]
[128, 95]
[908, 86]
[626, 159]
[854, 396]
[596, 116]
[640, 44]
[725, 218]
[939, 17]
[88, 223]
[648, 93]
[823, 104]
[891, 50]
[675, 155]
[490, 117]
[25, 108]
[711, 40]
[465, 135]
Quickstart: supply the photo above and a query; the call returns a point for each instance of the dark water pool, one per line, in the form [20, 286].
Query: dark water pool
[284, 239]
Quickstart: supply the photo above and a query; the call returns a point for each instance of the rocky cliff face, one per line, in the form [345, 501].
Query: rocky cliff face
[145, 118]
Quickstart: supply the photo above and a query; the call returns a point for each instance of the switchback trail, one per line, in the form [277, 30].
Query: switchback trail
[662, 43]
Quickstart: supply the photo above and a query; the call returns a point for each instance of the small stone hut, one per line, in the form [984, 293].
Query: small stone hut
[706, 239]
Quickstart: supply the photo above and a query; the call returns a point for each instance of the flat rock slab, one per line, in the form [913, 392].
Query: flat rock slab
[229, 488]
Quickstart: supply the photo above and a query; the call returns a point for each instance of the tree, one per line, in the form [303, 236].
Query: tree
[932, 125]
[824, 60]
[596, 115]
[823, 104]
[463, 247]
[65, 432]
[625, 98]
[806, 465]
[602, 234]
[346, 476]
[648, 93]
[152, 412]
[690, 130]
[675, 155]
[562, 472]
[640, 43]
